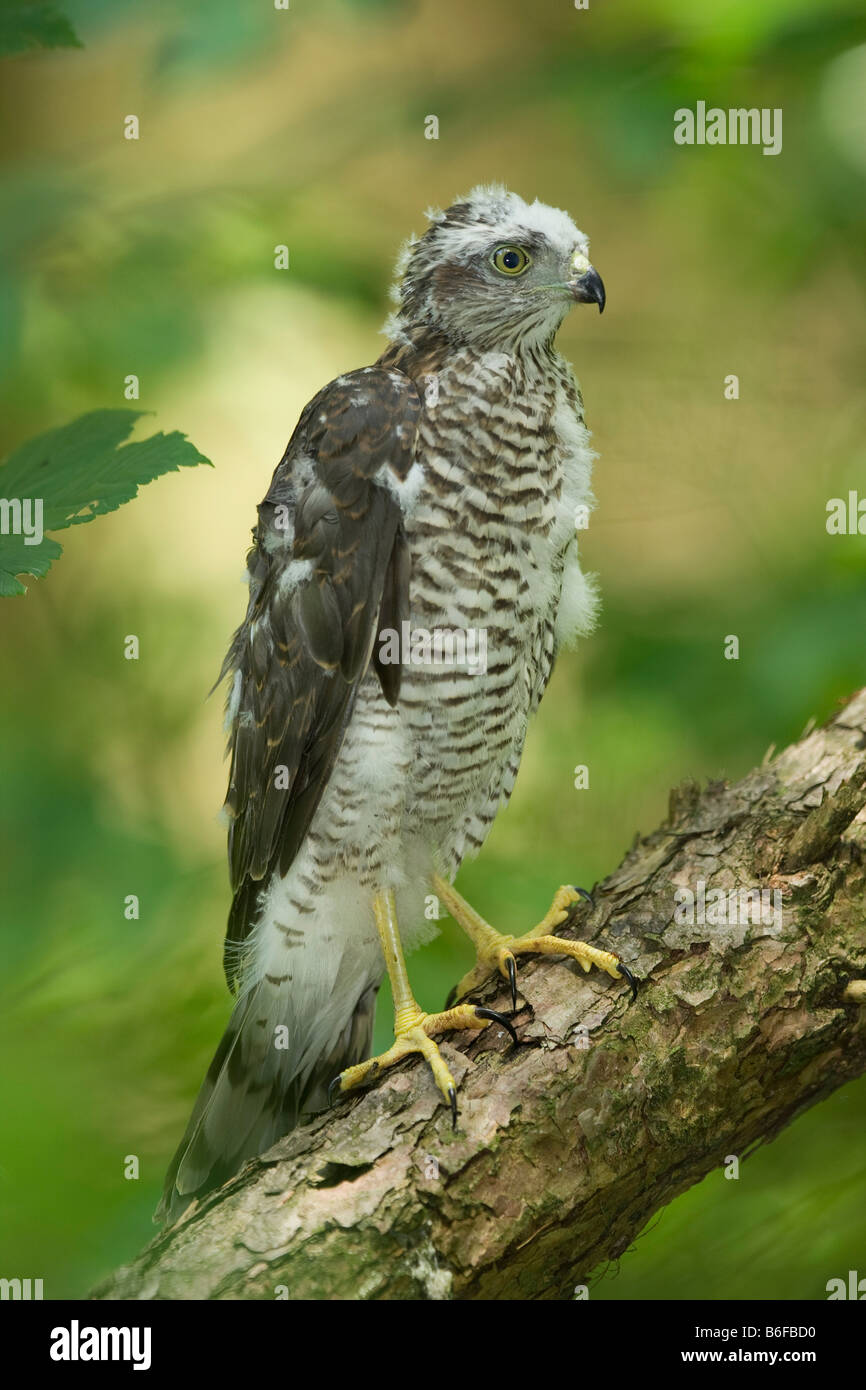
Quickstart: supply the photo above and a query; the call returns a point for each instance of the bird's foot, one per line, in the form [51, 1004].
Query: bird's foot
[412, 1033]
[496, 952]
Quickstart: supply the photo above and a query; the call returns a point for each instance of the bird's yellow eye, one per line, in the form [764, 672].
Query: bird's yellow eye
[510, 260]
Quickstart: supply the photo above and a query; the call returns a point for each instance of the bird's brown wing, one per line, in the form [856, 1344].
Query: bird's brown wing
[329, 565]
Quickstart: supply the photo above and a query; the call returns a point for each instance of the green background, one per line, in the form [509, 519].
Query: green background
[156, 257]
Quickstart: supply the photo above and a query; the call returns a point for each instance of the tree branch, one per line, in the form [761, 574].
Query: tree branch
[568, 1144]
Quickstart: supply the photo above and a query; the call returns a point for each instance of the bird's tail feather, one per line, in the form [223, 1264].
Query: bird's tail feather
[254, 1093]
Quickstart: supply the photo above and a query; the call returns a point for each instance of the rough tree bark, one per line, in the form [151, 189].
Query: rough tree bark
[568, 1144]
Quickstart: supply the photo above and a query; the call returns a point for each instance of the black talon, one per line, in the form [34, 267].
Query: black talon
[583, 893]
[512, 976]
[452, 1097]
[497, 1018]
[624, 970]
[335, 1082]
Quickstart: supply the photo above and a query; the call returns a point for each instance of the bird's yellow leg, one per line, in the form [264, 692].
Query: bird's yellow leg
[496, 951]
[412, 1026]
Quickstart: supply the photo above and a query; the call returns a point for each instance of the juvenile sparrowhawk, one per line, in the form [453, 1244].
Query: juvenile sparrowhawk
[414, 572]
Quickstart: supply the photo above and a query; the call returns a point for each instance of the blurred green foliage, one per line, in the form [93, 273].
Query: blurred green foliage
[27, 24]
[305, 127]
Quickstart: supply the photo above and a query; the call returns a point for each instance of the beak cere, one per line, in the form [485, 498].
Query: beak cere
[588, 287]
[585, 282]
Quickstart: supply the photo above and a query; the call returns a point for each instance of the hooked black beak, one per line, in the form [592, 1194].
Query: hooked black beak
[589, 289]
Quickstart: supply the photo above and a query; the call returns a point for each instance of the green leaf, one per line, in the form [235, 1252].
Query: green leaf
[69, 476]
[41, 24]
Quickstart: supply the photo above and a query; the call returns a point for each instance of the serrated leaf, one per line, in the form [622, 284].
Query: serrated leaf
[78, 471]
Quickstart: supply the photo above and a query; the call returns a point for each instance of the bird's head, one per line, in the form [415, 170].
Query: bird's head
[494, 271]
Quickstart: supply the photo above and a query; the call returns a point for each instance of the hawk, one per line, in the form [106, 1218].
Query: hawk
[436, 492]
